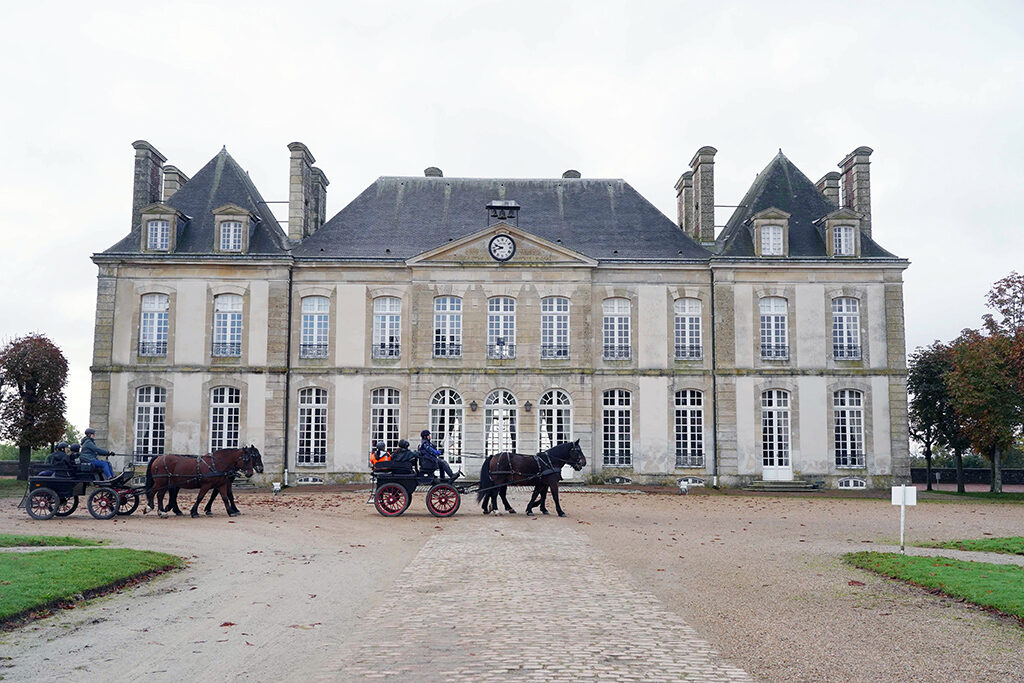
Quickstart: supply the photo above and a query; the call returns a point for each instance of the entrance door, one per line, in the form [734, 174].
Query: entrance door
[775, 436]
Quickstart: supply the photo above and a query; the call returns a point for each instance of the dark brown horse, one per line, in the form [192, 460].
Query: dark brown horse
[205, 472]
[542, 471]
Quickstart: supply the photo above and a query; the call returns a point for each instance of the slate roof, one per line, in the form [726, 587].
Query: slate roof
[782, 185]
[604, 219]
[221, 181]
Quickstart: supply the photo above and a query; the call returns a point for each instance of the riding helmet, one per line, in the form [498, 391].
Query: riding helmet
[425, 433]
[61, 445]
[402, 443]
[75, 448]
[90, 431]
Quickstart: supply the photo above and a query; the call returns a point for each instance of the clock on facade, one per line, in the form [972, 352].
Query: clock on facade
[501, 247]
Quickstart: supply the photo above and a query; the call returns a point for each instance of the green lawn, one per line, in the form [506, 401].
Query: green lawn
[17, 540]
[974, 496]
[10, 486]
[34, 580]
[998, 586]
[1012, 545]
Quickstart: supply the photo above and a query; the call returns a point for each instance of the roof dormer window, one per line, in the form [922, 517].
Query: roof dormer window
[842, 241]
[770, 232]
[232, 229]
[158, 235]
[771, 240]
[231, 236]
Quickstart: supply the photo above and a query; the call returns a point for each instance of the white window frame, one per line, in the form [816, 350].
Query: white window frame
[501, 413]
[315, 327]
[231, 236]
[153, 324]
[501, 327]
[687, 327]
[617, 428]
[387, 327]
[225, 417]
[615, 328]
[848, 427]
[771, 240]
[311, 444]
[158, 235]
[227, 325]
[689, 428]
[846, 328]
[774, 328]
[447, 424]
[843, 241]
[447, 327]
[385, 416]
[776, 437]
[150, 422]
[554, 327]
[554, 419]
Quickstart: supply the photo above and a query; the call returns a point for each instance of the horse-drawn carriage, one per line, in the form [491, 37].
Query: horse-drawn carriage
[54, 491]
[392, 492]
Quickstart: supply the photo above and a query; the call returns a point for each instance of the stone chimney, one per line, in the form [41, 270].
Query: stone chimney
[173, 180]
[148, 167]
[300, 192]
[703, 165]
[856, 179]
[829, 186]
[319, 206]
[684, 203]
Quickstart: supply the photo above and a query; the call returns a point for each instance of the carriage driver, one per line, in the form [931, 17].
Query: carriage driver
[430, 457]
[90, 451]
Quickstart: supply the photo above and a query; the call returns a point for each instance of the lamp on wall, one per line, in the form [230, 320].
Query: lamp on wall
[528, 406]
[472, 406]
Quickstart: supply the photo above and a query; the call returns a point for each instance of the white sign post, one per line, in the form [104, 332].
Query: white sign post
[903, 496]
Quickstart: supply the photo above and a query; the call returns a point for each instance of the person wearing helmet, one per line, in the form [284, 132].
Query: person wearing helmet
[60, 456]
[91, 453]
[379, 454]
[402, 458]
[430, 457]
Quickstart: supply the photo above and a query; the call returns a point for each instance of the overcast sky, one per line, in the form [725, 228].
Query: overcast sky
[523, 89]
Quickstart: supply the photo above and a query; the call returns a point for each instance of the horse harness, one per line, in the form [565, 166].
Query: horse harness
[542, 459]
[199, 476]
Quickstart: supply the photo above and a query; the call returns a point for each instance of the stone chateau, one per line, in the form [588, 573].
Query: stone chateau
[506, 313]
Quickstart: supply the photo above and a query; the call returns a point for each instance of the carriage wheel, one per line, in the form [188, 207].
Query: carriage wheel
[127, 501]
[391, 500]
[103, 503]
[67, 507]
[42, 503]
[443, 500]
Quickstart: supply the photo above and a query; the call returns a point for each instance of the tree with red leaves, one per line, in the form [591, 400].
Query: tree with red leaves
[33, 372]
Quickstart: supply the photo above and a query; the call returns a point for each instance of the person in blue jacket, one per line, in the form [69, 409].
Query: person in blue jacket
[430, 457]
[91, 452]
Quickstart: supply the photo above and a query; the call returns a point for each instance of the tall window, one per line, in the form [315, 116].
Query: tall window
[384, 408]
[158, 235]
[446, 421]
[231, 236]
[842, 240]
[225, 410]
[227, 325]
[150, 410]
[771, 240]
[687, 329]
[846, 328]
[554, 327]
[774, 332]
[501, 327]
[447, 327]
[312, 446]
[387, 327]
[153, 325]
[689, 428]
[617, 428]
[775, 428]
[848, 413]
[500, 432]
[555, 416]
[316, 324]
[615, 328]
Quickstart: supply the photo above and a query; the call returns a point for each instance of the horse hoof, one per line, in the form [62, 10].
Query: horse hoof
[233, 514]
[545, 512]
[208, 514]
[561, 514]
[194, 514]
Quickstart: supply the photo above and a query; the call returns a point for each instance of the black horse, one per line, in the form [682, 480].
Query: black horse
[542, 471]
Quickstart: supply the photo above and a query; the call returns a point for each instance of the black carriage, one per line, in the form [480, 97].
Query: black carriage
[393, 489]
[54, 491]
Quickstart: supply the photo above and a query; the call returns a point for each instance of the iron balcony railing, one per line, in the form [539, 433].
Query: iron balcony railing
[689, 460]
[152, 348]
[447, 350]
[500, 350]
[617, 351]
[227, 349]
[386, 350]
[774, 351]
[312, 350]
[554, 351]
[846, 351]
[689, 352]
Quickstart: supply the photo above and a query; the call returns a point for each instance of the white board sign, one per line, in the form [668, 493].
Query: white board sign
[910, 493]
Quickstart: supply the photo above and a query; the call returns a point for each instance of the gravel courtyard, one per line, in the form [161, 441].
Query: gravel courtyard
[628, 586]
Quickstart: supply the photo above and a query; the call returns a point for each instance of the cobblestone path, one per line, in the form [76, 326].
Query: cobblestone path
[505, 598]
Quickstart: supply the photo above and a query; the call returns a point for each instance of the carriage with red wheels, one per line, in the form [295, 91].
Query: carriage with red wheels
[54, 491]
[392, 492]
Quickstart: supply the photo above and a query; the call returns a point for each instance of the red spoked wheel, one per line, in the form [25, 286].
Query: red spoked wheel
[391, 500]
[42, 503]
[103, 503]
[67, 506]
[443, 500]
[127, 501]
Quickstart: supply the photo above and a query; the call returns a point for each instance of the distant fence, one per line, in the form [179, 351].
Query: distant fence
[8, 468]
[972, 475]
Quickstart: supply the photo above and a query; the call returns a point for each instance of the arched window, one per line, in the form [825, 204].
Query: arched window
[447, 327]
[554, 327]
[615, 329]
[316, 325]
[150, 429]
[848, 427]
[555, 416]
[158, 235]
[774, 328]
[225, 411]
[617, 428]
[227, 325]
[231, 236]
[687, 329]
[500, 420]
[775, 442]
[446, 423]
[845, 328]
[689, 421]
[385, 405]
[312, 445]
[153, 325]
[387, 327]
[501, 327]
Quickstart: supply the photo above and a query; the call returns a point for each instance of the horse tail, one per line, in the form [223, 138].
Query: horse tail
[149, 482]
[485, 480]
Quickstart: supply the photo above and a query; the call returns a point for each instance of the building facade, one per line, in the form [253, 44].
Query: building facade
[507, 314]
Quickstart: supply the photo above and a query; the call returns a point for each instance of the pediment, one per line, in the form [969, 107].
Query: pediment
[160, 209]
[231, 210]
[771, 213]
[473, 250]
[843, 213]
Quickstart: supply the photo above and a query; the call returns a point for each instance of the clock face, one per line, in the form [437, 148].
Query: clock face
[501, 247]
